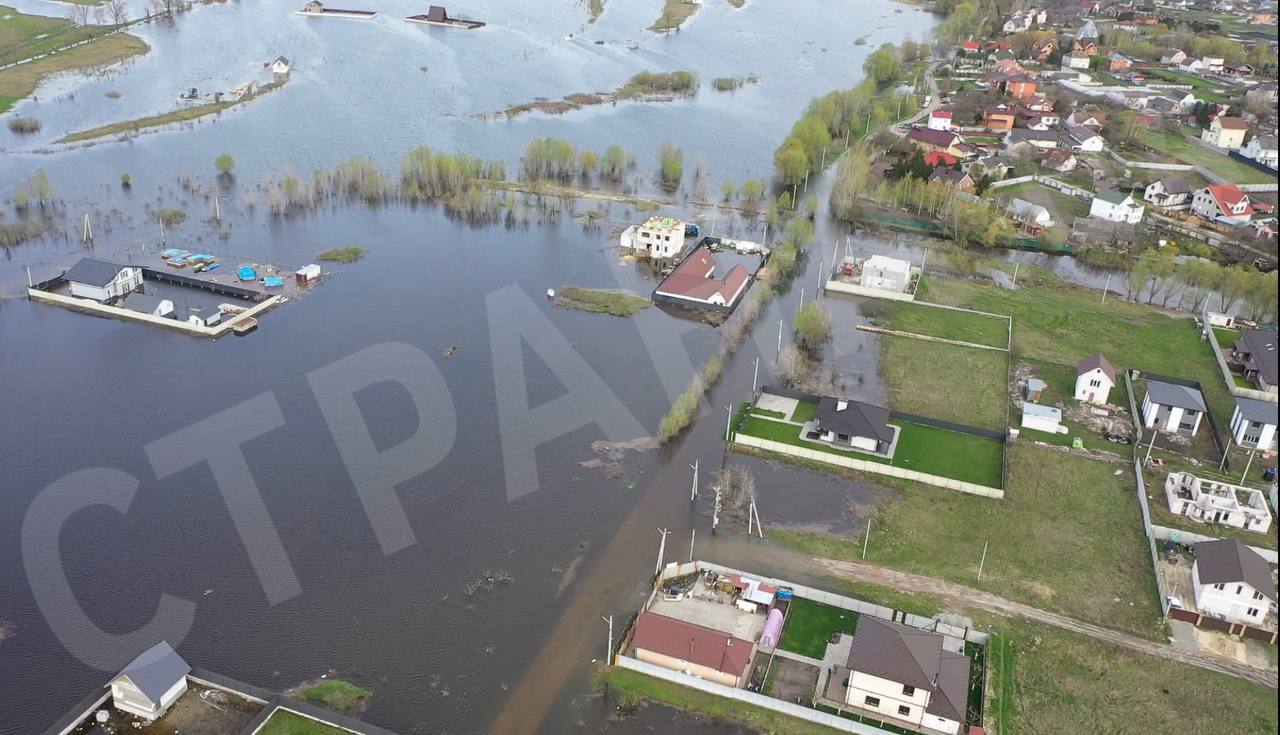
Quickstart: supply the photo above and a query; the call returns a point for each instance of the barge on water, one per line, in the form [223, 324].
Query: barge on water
[317, 9]
[437, 16]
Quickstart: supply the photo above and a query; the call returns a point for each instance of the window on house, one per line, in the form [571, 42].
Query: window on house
[1219, 586]
[1251, 612]
[1095, 383]
[904, 710]
[872, 701]
[908, 691]
[1257, 595]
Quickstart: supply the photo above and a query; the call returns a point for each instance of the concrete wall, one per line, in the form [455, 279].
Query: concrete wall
[696, 670]
[875, 293]
[865, 466]
[115, 312]
[1048, 181]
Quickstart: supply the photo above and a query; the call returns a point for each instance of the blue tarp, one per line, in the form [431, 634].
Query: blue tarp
[174, 253]
[201, 258]
[247, 274]
[271, 281]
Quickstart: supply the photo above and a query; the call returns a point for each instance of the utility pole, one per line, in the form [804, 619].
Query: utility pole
[87, 234]
[755, 375]
[983, 561]
[30, 283]
[779, 336]
[608, 656]
[728, 423]
[1013, 286]
[715, 513]
[756, 512]
[693, 495]
[662, 548]
[217, 210]
[802, 297]
[693, 535]
[1149, 446]
[1246, 468]
[866, 537]
[1106, 287]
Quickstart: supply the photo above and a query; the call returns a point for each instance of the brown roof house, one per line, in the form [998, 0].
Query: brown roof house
[1094, 379]
[1232, 582]
[693, 649]
[904, 676]
[694, 283]
[959, 179]
[937, 140]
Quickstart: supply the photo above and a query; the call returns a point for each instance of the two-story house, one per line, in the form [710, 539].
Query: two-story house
[905, 676]
[1263, 149]
[1168, 191]
[1253, 424]
[1116, 206]
[1255, 353]
[1226, 132]
[1224, 203]
[1173, 408]
[1232, 582]
[1094, 379]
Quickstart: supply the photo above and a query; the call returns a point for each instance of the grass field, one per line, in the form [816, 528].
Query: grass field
[905, 316]
[1195, 154]
[287, 723]
[1062, 206]
[962, 384]
[23, 36]
[1062, 323]
[616, 303]
[810, 625]
[635, 684]
[338, 695]
[1066, 537]
[21, 81]
[1047, 680]
[1062, 381]
[922, 448]
[911, 602]
[349, 254]
[674, 13]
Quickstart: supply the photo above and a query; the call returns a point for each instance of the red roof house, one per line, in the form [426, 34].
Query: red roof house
[694, 282]
[693, 649]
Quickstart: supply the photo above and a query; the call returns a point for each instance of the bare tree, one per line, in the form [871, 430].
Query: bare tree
[99, 14]
[79, 15]
[119, 12]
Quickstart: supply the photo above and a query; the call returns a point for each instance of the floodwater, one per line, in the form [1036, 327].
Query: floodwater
[84, 392]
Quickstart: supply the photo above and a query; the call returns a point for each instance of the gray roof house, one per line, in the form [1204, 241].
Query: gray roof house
[934, 681]
[857, 424]
[1168, 191]
[1173, 408]
[1255, 351]
[1228, 560]
[151, 682]
[1254, 423]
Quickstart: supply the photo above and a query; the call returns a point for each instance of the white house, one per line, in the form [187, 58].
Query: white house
[205, 317]
[1253, 424]
[1042, 418]
[99, 280]
[280, 65]
[146, 304]
[1032, 217]
[1116, 206]
[1168, 191]
[1094, 380]
[151, 683]
[1207, 501]
[881, 271]
[1232, 582]
[1075, 61]
[1084, 140]
[659, 237]
[1191, 66]
[1176, 409]
[902, 675]
[1226, 132]
[1262, 148]
[1173, 57]
[854, 424]
[1212, 63]
[1224, 203]
[940, 120]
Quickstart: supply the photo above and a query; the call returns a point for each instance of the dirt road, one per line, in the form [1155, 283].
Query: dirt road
[962, 597]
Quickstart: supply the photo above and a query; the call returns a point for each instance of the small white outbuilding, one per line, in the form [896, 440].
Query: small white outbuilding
[151, 683]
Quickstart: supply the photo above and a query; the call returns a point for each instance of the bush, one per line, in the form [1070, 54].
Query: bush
[24, 125]
[671, 165]
[169, 217]
[679, 417]
[813, 326]
[225, 164]
[349, 254]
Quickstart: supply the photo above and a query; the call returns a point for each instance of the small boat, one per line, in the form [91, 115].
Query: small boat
[438, 16]
[212, 266]
[191, 95]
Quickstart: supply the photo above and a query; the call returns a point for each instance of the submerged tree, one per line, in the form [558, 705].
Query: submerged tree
[225, 164]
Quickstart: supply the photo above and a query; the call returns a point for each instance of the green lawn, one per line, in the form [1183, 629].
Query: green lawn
[23, 36]
[635, 684]
[1066, 537]
[615, 303]
[810, 626]
[284, 722]
[1063, 323]
[1226, 337]
[349, 254]
[342, 696]
[921, 448]
[1048, 680]
[805, 411]
[966, 385]
[1062, 206]
[1189, 151]
[958, 325]
[916, 604]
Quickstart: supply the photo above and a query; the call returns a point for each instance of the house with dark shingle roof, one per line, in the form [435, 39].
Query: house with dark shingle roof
[1174, 408]
[1255, 352]
[1168, 191]
[854, 424]
[905, 675]
[102, 281]
[151, 682]
[1232, 582]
